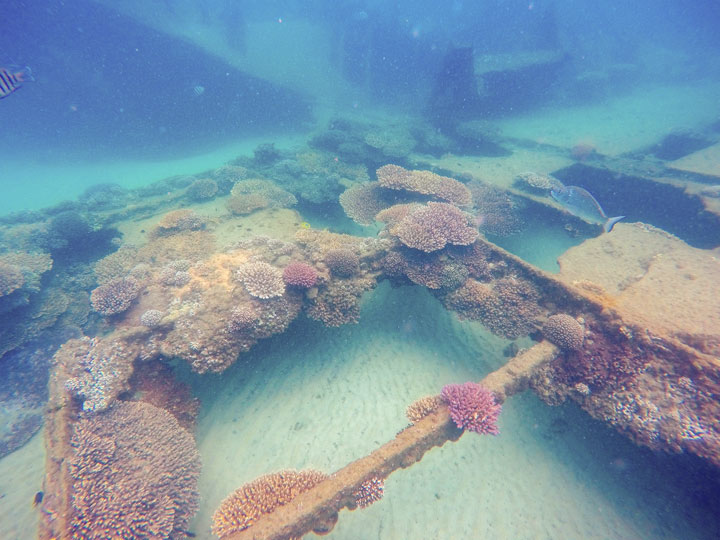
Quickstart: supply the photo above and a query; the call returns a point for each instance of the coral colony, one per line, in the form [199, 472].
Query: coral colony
[472, 407]
[193, 293]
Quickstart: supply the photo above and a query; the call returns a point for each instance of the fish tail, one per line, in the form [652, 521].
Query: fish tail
[610, 223]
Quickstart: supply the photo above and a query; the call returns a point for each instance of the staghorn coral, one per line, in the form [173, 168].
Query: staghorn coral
[431, 227]
[370, 491]
[361, 202]
[261, 280]
[115, 296]
[202, 189]
[424, 183]
[564, 331]
[472, 407]
[300, 274]
[342, 262]
[262, 496]
[134, 474]
[422, 407]
[177, 222]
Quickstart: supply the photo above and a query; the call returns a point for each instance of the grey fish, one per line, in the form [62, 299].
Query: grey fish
[581, 203]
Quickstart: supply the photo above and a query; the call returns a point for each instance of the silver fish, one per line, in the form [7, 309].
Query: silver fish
[581, 203]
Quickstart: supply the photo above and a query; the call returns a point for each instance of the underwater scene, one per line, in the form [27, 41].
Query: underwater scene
[360, 269]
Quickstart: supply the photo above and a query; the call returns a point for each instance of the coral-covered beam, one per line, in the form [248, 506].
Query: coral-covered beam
[316, 509]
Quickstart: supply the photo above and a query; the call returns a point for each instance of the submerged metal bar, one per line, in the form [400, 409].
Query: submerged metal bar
[316, 509]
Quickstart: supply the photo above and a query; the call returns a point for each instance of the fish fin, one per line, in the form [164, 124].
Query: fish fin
[610, 223]
[24, 75]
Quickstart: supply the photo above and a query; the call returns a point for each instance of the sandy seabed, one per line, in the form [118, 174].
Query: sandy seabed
[320, 398]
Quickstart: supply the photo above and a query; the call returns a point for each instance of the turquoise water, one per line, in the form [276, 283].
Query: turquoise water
[256, 120]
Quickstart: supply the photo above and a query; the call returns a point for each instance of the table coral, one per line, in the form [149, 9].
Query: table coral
[424, 183]
[134, 474]
[433, 226]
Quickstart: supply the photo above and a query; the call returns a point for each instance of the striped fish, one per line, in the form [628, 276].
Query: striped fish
[11, 81]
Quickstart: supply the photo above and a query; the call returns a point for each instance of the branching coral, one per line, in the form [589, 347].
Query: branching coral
[300, 274]
[262, 496]
[472, 407]
[115, 296]
[370, 491]
[433, 226]
[134, 474]
[422, 407]
[507, 307]
[342, 262]
[261, 280]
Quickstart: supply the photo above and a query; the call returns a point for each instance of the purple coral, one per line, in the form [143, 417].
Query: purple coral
[300, 274]
[472, 407]
[564, 331]
[115, 296]
[261, 280]
[431, 227]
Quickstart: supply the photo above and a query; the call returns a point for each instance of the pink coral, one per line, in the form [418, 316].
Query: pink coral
[431, 227]
[472, 407]
[115, 296]
[300, 274]
[134, 474]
